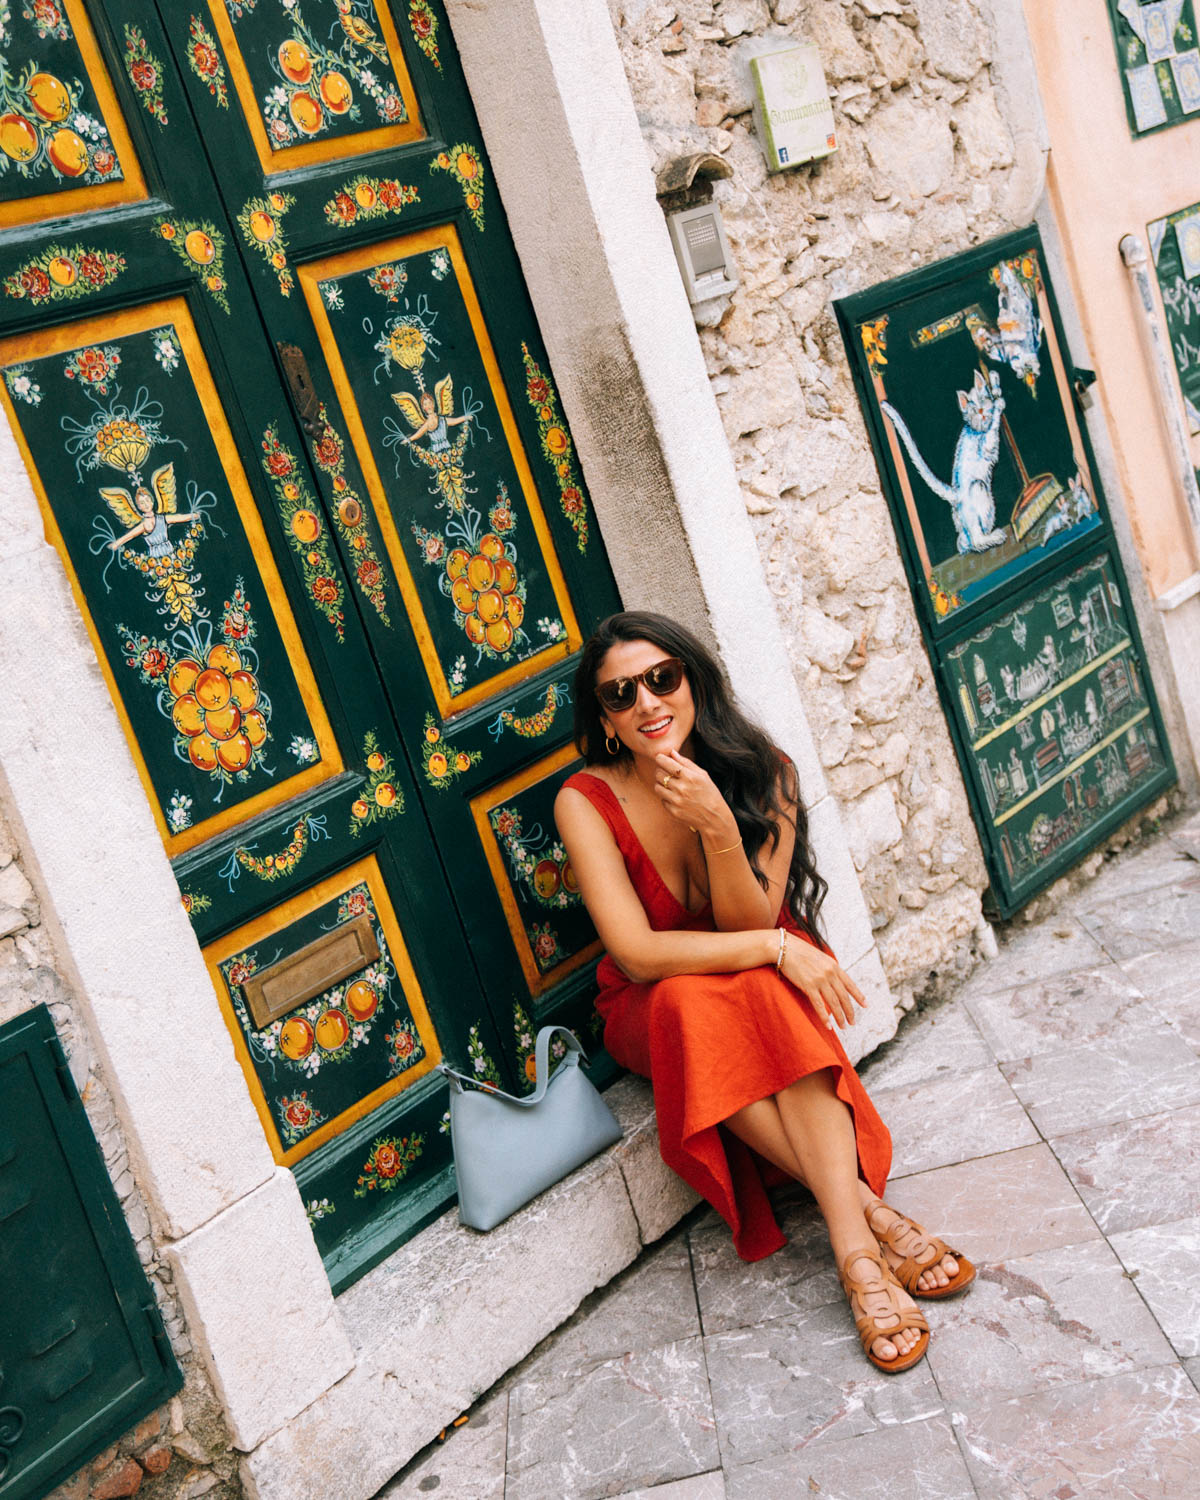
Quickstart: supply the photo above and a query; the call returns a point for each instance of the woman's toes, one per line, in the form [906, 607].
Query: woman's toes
[885, 1349]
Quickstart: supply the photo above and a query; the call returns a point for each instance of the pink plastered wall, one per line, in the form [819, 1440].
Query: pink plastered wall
[1104, 184]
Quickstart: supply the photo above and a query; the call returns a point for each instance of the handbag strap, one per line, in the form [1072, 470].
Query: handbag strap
[542, 1063]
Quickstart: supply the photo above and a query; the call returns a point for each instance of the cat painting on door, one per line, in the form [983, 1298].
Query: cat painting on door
[969, 492]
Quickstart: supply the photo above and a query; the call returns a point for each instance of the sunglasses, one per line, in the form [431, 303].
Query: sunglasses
[620, 693]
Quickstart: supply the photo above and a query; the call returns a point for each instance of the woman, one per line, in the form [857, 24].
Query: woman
[690, 845]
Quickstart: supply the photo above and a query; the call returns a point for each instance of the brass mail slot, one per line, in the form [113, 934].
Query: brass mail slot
[272, 992]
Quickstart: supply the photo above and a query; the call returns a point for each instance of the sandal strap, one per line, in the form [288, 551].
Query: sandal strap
[917, 1258]
[897, 1319]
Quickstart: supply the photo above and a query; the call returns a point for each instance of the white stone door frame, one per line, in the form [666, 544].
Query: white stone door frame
[555, 108]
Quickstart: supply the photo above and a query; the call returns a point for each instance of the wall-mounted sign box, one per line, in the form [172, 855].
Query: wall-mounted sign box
[967, 387]
[792, 112]
[1158, 60]
[1175, 247]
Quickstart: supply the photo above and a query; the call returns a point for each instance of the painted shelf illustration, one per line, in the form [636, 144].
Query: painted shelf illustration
[1054, 703]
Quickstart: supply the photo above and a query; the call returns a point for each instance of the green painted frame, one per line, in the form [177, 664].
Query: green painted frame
[947, 631]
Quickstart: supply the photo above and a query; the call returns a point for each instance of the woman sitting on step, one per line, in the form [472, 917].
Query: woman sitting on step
[690, 845]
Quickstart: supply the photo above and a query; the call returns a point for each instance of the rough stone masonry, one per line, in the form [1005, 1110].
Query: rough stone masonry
[925, 167]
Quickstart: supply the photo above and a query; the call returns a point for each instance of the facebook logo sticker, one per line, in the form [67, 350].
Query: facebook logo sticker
[783, 153]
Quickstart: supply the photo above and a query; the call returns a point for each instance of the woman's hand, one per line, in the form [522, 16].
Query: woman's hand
[826, 984]
[687, 792]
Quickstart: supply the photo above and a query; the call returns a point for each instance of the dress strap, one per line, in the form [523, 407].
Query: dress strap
[604, 800]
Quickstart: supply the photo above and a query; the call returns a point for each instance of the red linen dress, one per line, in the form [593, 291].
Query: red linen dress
[713, 1043]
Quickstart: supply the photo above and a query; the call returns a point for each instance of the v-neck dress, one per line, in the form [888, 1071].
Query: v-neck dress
[713, 1043]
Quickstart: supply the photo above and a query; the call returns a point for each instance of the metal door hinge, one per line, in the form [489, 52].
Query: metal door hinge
[62, 1069]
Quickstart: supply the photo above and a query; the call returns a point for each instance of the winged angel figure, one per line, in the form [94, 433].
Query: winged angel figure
[150, 515]
[431, 416]
[144, 515]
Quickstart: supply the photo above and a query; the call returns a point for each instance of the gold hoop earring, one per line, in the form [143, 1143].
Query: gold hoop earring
[612, 744]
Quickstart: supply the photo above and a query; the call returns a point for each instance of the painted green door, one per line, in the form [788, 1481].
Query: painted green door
[269, 355]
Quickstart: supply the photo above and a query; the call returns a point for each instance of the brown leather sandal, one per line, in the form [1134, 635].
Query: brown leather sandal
[919, 1254]
[872, 1326]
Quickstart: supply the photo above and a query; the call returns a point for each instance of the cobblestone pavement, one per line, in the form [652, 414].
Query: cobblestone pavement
[1046, 1121]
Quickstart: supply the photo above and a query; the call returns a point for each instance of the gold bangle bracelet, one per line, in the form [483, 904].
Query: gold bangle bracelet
[728, 850]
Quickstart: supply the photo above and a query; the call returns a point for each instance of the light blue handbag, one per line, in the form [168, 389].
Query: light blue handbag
[508, 1150]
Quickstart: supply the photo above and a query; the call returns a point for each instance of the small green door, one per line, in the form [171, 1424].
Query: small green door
[269, 355]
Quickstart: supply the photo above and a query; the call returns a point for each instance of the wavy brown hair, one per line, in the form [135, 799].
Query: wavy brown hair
[745, 766]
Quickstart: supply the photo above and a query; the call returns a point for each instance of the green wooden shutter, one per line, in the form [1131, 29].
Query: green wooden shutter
[83, 1354]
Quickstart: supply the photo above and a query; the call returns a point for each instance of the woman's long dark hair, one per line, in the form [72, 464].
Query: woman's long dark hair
[744, 765]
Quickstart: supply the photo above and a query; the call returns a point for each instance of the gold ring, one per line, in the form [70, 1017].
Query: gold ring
[667, 778]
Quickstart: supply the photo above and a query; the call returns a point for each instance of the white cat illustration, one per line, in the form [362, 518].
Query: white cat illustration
[969, 493]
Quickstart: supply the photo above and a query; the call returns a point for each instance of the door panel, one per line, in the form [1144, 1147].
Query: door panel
[317, 81]
[64, 148]
[450, 475]
[145, 495]
[226, 380]
[419, 387]
[544, 912]
[376, 1018]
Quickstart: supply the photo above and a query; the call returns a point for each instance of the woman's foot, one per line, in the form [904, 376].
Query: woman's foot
[920, 1261]
[891, 1326]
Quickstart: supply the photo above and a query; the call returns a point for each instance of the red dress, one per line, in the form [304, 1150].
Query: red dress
[713, 1043]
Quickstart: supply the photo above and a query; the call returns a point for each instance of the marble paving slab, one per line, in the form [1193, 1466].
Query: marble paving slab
[998, 1207]
[943, 1042]
[734, 1293]
[1056, 946]
[1170, 980]
[1186, 836]
[1062, 1012]
[1192, 1366]
[1125, 928]
[952, 1119]
[1100, 1084]
[629, 1423]
[710, 1486]
[913, 1461]
[1132, 873]
[1165, 1261]
[1136, 1172]
[469, 1462]
[651, 1304]
[1129, 1437]
[1057, 1317]
[805, 1380]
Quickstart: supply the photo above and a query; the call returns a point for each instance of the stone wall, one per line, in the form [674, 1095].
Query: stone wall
[925, 167]
[181, 1451]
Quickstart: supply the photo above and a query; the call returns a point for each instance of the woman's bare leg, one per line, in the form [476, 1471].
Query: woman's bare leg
[760, 1126]
[818, 1128]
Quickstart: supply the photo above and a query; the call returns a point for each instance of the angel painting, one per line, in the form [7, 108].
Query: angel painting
[147, 516]
[432, 416]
